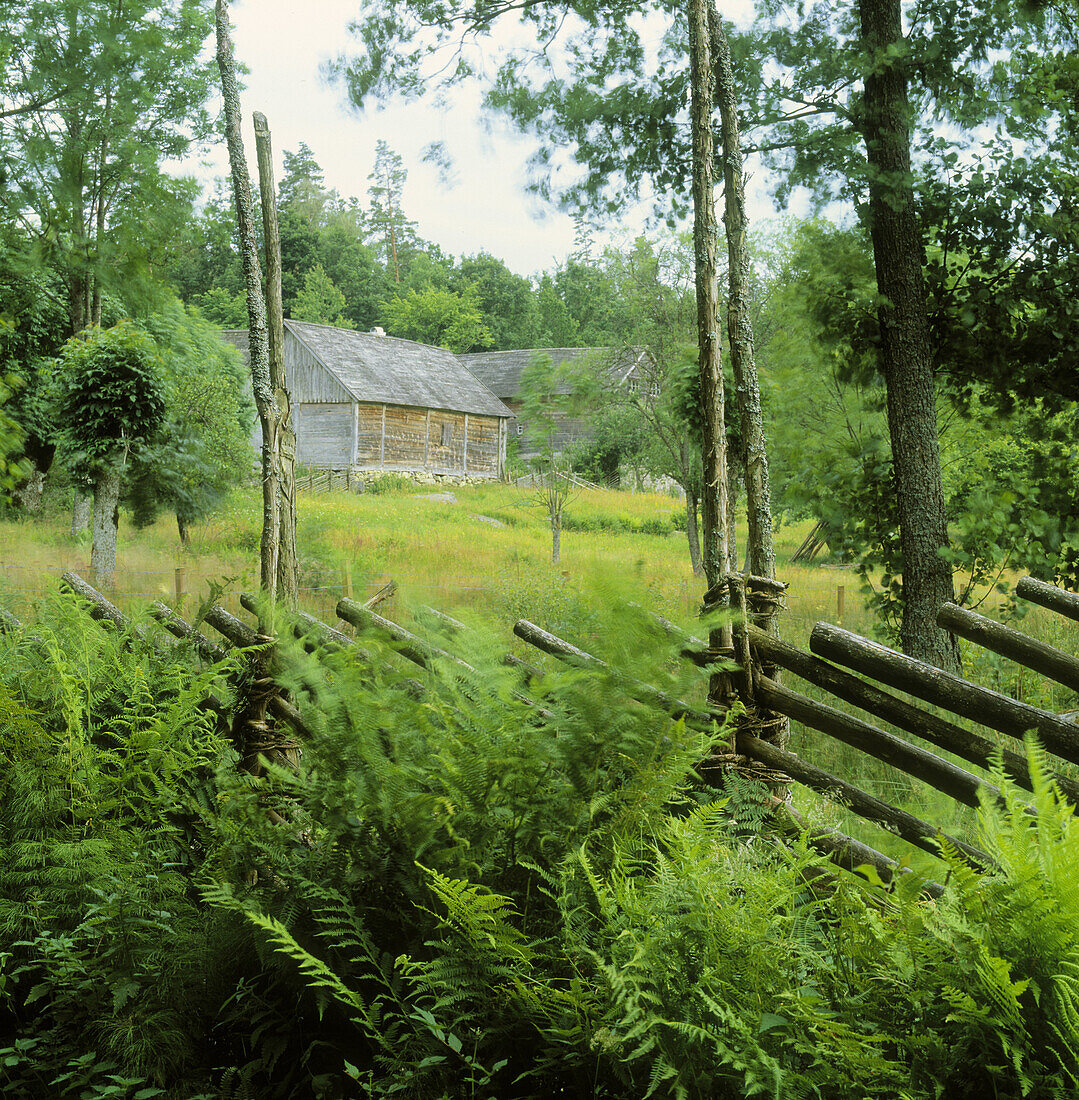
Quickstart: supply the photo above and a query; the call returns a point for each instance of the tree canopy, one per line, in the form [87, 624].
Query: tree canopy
[87, 156]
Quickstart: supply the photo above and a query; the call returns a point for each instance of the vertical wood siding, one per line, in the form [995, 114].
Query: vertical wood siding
[308, 379]
[324, 434]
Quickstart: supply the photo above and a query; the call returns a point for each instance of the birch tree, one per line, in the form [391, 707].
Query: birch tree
[278, 558]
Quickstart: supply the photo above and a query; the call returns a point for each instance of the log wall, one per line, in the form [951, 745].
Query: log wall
[394, 437]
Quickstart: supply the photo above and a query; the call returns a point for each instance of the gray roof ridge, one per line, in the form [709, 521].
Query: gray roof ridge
[373, 335]
[534, 351]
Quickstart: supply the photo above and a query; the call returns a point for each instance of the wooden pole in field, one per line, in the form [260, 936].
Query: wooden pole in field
[287, 560]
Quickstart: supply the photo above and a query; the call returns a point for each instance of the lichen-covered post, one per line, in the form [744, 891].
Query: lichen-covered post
[285, 451]
[714, 434]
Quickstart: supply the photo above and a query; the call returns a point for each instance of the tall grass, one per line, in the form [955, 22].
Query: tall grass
[485, 554]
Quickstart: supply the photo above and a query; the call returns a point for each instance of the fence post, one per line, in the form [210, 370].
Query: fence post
[181, 573]
[346, 579]
[840, 601]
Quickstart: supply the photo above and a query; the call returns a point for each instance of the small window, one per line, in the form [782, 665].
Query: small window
[653, 390]
[520, 428]
[447, 434]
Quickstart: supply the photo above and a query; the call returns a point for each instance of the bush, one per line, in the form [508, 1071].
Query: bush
[388, 484]
[465, 891]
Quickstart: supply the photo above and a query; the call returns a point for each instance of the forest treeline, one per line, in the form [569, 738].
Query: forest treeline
[94, 230]
[477, 885]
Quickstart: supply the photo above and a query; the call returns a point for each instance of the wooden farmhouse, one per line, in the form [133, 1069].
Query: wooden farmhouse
[502, 372]
[367, 401]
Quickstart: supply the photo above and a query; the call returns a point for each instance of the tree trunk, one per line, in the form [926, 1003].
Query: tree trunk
[106, 520]
[714, 441]
[906, 359]
[692, 534]
[265, 398]
[28, 495]
[714, 430]
[556, 538]
[80, 512]
[288, 571]
[733, 479]
[762, 559]
[753, 460]
[182, 529]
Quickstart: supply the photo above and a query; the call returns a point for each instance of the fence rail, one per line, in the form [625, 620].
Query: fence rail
[832, 649]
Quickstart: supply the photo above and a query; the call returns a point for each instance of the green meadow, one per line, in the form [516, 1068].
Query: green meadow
[485, 556]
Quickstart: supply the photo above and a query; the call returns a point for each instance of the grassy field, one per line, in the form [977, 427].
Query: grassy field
[446, 554]
[485, 555]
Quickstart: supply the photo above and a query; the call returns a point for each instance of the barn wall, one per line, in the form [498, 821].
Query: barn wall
[308, 380]
[406, 438]
[484, 445]
[324, 434]
[369, 436]
[450, 455]
[392, 437]
[568, 430]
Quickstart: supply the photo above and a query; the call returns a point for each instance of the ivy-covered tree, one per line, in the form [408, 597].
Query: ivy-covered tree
[110, 400]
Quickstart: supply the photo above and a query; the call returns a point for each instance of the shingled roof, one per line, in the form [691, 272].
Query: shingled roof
[501, 371]
[387, 370]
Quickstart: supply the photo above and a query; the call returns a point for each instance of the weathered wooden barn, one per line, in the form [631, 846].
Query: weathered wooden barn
[502, 372]
[374, 402]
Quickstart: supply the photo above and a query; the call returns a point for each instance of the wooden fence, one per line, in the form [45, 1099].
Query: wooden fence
[835, 655]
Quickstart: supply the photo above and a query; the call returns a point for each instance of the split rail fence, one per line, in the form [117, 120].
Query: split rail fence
[840, 663]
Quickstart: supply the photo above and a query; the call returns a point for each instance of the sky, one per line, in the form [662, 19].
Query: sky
[483, 207]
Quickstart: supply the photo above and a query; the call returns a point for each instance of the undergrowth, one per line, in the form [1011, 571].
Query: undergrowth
[477, 886]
